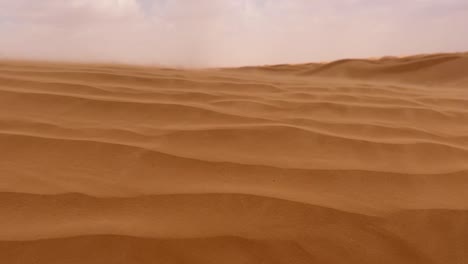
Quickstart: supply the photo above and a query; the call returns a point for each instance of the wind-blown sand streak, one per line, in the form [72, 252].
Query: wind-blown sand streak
[354, 161]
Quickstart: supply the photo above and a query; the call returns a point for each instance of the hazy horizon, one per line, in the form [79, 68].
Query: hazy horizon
[228, 32]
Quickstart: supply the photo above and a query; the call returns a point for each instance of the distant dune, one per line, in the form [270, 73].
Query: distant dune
[434, 69]
[353, 161]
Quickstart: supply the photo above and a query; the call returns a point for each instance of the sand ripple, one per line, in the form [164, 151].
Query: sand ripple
[354, 161]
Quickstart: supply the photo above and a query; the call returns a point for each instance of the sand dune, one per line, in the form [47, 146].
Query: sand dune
[353, 161]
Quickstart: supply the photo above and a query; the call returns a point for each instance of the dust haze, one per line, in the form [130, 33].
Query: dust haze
[209, 33]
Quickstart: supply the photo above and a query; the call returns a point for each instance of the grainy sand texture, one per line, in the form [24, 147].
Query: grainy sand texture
[354, 161]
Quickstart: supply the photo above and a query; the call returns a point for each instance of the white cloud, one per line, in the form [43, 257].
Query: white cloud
[228, 32]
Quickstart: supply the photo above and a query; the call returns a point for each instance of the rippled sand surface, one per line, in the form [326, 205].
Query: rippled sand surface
[354, 161]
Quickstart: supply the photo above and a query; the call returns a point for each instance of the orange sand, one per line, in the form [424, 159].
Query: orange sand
[354, 161]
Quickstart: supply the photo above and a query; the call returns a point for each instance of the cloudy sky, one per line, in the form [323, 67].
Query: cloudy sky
[228, 32]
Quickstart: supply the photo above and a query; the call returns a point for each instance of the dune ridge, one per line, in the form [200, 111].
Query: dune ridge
[353, 161]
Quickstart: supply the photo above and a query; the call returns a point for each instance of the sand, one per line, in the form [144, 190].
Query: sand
[354, 161]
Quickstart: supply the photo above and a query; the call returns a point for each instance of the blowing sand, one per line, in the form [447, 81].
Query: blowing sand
[355, 161]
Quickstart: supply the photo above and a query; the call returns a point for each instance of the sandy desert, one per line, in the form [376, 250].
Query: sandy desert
[357, 161]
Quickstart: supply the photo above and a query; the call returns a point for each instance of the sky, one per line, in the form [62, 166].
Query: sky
[212, 33]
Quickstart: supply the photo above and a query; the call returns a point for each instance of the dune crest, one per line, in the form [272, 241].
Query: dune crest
[353, 161]
[429, 70]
